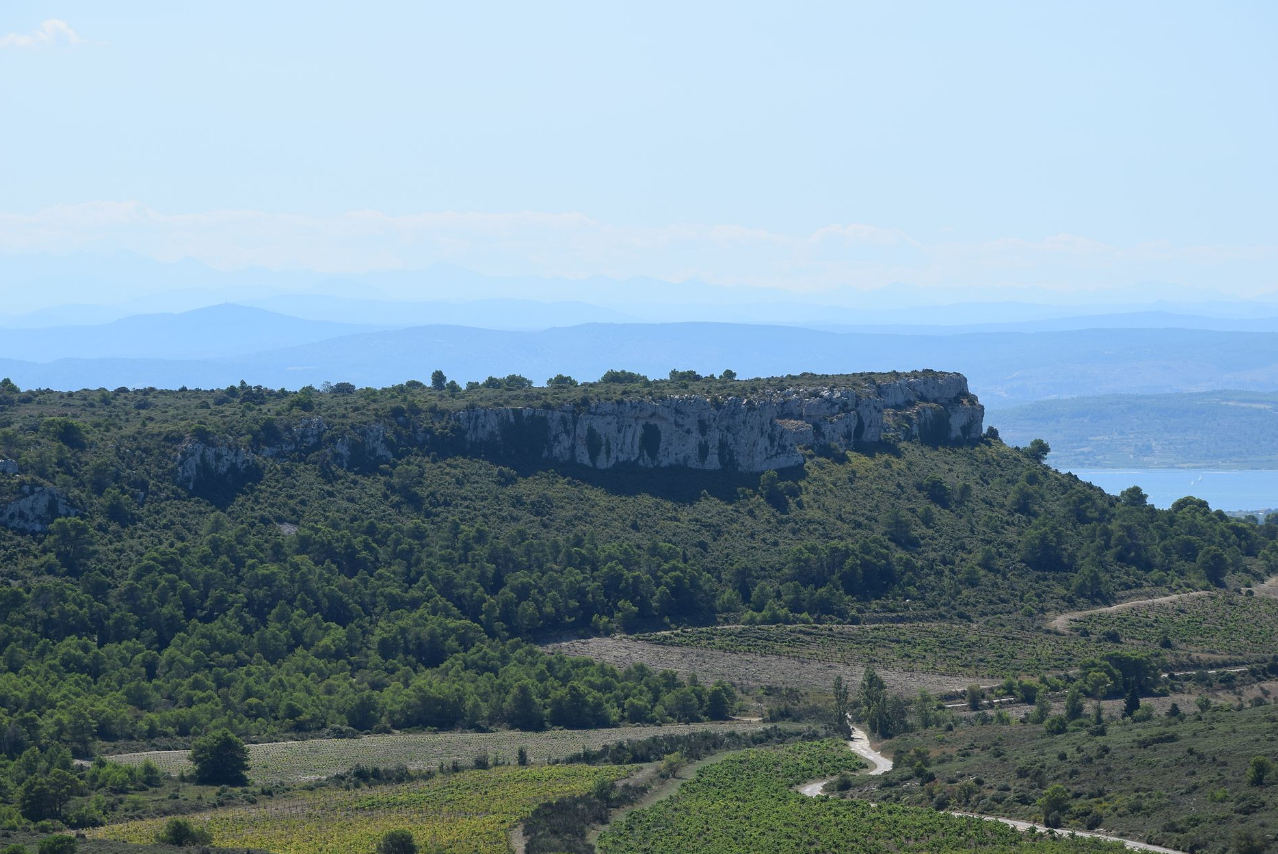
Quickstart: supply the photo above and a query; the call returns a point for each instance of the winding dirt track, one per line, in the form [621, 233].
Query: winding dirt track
[1060, 623]
[880, 764]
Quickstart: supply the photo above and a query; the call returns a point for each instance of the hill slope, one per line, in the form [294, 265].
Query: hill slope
[176, 560]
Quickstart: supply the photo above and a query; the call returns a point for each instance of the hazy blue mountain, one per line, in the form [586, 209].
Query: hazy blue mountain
[1004, 368]
[948, 320]
[82, 288]
[214, 332]
[1219, 429]
[485, 313]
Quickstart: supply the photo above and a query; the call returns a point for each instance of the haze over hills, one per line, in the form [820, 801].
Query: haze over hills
[220, 346]
[213, 332]
[82, 288]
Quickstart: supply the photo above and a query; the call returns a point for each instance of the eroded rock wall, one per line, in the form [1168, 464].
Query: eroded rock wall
[752, 434]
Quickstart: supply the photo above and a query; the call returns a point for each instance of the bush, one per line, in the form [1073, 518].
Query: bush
[397, 842]
[1259, 768]
[220, 759]
[58, 844]
[1248, 842]
[179, 831]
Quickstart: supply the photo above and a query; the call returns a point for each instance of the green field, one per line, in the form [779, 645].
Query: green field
[1188, 632]
[966, 649]
[469, 812]
[1221, 624]
[746, 805]
[1181, 784]
[293, 761]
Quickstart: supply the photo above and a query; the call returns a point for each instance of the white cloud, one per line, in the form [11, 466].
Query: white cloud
[54, 31]
[576, 246]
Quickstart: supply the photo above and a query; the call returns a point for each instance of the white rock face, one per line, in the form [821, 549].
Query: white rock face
[38, 508]
[362, 447]
[202, 466]
[302, 438]
[749, 434]
[746, 434]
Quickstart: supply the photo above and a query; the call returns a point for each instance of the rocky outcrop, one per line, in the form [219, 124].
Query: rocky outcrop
[36, 509]
[751, 434]
[215, 469]
[363, 448]
[301, 438]
[9, 467]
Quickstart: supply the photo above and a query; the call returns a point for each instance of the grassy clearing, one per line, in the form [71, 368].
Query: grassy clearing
[472, 811]
[294, 761]
[745, 805]
[1180, 783]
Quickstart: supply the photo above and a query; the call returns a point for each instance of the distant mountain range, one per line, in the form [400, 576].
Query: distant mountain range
[219, 345]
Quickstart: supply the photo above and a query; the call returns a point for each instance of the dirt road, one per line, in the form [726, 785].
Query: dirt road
[1061, 622]
[860, 745]
[880, 764]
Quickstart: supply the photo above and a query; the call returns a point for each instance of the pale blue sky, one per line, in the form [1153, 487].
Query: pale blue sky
[1067, 145]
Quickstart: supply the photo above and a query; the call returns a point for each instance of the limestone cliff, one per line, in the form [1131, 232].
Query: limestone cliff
[35, 509]
[214, 469]
[751, 434]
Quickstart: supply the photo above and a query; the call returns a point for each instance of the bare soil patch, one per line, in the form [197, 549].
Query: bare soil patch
[747, 669]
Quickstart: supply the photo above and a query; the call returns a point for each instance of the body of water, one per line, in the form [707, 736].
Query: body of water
[1223, 490]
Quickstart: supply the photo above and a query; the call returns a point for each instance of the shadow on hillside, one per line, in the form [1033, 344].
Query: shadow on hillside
[680, 485]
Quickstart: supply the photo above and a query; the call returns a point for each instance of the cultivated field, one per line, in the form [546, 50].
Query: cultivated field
[294, 761]
[747, 804]
[472, 811]
[1176, 782]
[956, 650]
[712, 654]
[1188, 630]
[1220, 624]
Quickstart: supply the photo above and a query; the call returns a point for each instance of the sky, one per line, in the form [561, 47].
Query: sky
[1071, 146]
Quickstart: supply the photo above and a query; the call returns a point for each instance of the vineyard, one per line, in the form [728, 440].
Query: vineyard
[958, 649]
[1178, 782]
[294, 761]
[746, 805]
[1221, 624]
[469, 812]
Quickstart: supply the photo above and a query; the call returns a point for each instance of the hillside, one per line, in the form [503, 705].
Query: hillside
[211, 556]
[1226, 429]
